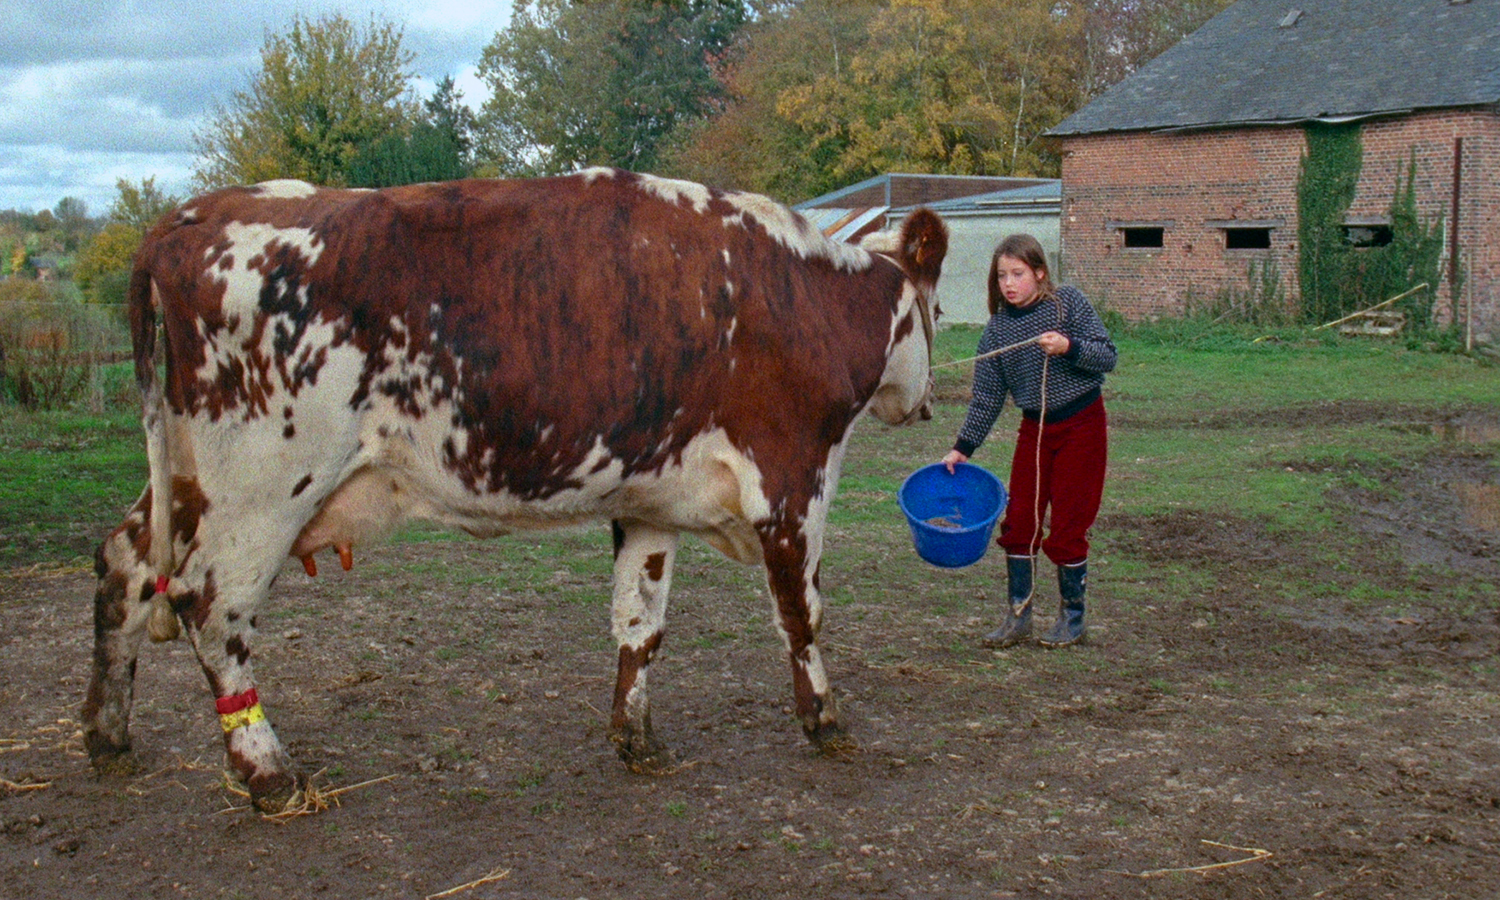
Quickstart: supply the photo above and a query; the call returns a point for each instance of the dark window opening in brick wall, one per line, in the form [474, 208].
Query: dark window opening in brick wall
[1367, 235]
[1143, 238]
[1247, 239]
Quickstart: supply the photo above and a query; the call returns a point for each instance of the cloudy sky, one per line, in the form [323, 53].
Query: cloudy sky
[96, 90]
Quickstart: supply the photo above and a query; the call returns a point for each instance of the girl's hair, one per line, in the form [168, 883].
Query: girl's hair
[1029, 251]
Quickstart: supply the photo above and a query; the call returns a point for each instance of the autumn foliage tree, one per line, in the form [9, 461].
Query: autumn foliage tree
[949, 86]
[748, 144]
[824, 92]
[326, 90]
[103, 268]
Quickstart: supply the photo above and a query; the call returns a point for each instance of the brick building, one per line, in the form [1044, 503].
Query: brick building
[1181, 181]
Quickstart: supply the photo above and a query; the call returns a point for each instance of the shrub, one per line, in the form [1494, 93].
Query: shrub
[53, 347]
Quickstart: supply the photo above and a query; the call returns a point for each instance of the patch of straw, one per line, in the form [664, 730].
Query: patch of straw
[495, 875]
[311, 800]
[1256, 855]
[983, 806]
[44, 570]
[35, 786]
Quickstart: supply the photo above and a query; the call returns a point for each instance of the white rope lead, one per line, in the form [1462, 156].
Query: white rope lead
[1006, 349]
[1036, 494]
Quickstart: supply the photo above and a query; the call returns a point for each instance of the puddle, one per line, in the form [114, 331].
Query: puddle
[1481, 504]
[1468, 430]
[1472, 428]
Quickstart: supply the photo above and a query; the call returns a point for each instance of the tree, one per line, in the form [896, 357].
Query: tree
[452, 118]
[103, 269]
[72, 215]
[581, 83]
[946, 86]
[140, 205]
[325, 91]
[1119, 36]
[823, 92]
[438, 147]
[18, 259]
[750, 145]
[421, 153]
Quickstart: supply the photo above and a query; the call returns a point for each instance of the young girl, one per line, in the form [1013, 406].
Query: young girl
[1056, 382]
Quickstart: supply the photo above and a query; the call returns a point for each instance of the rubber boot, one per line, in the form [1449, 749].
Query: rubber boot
[1016, 626]
[1072, 582]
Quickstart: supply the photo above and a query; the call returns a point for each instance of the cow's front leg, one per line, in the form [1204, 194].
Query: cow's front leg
[792, 560]
[122, 608]
[643, 576]
[220, 626]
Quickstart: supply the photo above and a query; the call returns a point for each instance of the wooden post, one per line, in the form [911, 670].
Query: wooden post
[1381, 305]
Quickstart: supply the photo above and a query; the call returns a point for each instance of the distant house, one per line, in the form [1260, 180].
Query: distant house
[46, 266]
[979, 210]
[1183, 176]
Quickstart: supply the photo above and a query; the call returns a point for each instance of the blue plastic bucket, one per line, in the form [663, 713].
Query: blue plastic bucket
[952, 516]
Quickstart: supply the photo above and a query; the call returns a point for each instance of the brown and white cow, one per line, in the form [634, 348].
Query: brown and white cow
[495, 356]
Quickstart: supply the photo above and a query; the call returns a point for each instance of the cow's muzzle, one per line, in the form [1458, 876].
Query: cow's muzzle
[922, 412]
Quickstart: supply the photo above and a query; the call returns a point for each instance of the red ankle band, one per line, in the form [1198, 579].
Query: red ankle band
[227, 705]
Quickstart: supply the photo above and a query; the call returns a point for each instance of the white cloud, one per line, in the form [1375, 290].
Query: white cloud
[93, 90]
[35, 177]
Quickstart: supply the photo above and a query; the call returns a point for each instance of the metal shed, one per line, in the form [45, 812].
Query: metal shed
[979, 210]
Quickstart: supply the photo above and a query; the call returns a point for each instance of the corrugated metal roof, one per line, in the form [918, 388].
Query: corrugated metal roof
[843, 224]
[1047, 195]
[1256, 63]
[904, 190]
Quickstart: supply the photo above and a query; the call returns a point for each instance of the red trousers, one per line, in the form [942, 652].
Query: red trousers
[1073, 457]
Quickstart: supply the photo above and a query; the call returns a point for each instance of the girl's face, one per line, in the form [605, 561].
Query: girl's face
[1019, 283]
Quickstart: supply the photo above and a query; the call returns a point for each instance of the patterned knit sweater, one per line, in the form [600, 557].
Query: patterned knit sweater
[1074, 379]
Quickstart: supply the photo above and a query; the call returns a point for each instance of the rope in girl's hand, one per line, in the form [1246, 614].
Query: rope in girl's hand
[1036, 512]
[1005, 349]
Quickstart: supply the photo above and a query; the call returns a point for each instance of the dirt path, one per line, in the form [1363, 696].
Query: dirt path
[1358, 752]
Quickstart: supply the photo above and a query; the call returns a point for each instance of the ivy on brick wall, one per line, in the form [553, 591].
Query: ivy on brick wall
[1337, 278]
[1414, 256]
[1325, 188]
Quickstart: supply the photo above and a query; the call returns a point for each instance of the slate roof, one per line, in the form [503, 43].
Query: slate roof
[1288, 61]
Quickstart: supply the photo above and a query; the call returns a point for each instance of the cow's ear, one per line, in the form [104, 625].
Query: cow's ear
[924, 243]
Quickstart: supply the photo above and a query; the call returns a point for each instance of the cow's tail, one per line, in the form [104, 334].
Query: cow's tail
[142, 300]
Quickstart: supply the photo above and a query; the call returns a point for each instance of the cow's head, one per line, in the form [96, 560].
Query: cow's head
[918, 247]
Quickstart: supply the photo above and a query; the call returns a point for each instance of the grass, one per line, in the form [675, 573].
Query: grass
[65, 475]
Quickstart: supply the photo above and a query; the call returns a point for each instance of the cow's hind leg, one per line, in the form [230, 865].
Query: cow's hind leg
[792, 559]
[218, 615]
[643, 577]
[122, 609]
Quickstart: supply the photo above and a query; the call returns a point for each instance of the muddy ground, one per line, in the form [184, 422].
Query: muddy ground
[1343, 745]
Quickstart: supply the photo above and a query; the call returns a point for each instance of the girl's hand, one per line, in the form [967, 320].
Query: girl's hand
[1054, 343]
[952, 459]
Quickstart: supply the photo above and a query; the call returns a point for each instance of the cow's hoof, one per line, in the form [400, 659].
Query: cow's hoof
[272, 794]
[643, 755]
[832, 741]
[660, 761]
[115, 763]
